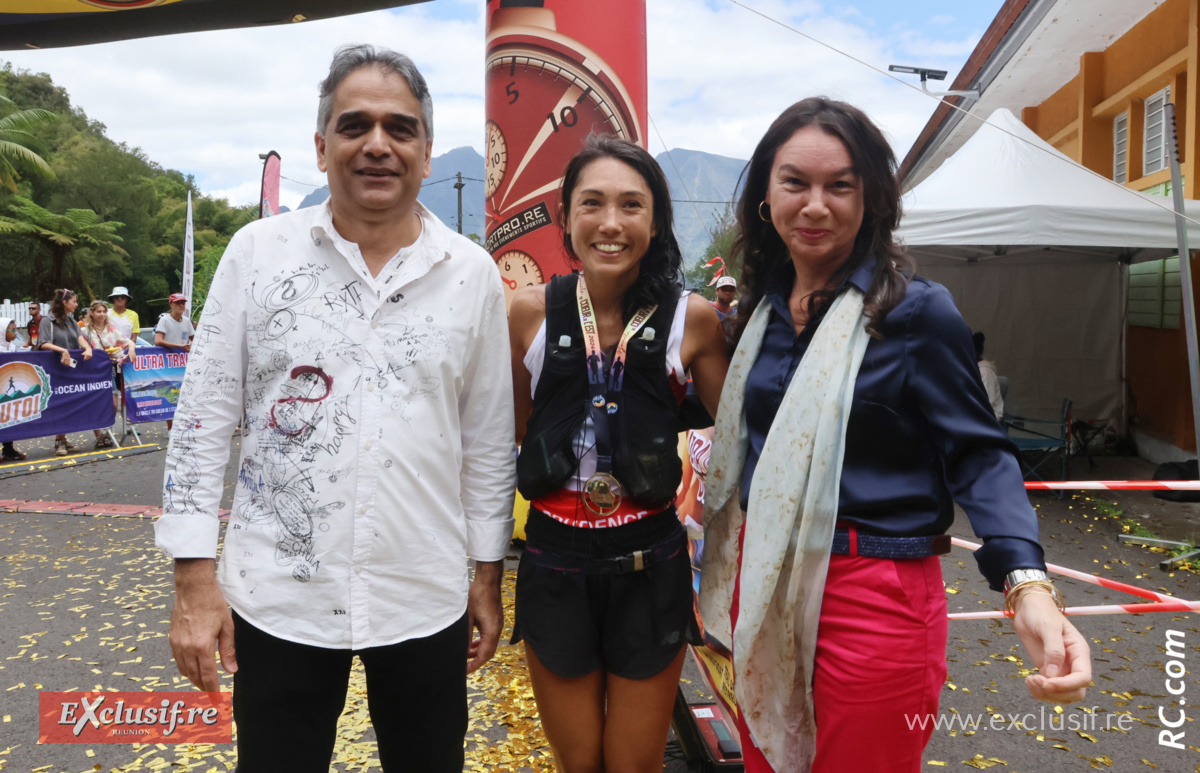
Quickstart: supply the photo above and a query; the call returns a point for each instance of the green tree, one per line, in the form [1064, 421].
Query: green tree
[206, 261]
[116, 183]
[65, 239]
[723, 234]
[214, 222]
[19, 145]
[142, 201]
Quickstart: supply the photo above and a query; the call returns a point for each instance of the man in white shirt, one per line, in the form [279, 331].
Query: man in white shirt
[726, 290]
[369, 345]
[174, 330]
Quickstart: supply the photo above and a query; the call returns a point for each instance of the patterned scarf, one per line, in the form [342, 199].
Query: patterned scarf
[793, 508]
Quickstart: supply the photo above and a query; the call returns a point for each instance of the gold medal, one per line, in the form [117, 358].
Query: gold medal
[602, 494]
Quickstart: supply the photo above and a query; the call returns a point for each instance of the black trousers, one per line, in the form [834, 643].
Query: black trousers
[287, 698]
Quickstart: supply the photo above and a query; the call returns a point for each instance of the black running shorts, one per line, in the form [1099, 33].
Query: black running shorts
[631, 625]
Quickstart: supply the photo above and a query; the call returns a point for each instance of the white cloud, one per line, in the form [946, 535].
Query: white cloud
[209, 103]
[240, 194]
[720, 74]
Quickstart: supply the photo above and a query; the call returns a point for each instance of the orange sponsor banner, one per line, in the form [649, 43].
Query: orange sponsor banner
[135, 717]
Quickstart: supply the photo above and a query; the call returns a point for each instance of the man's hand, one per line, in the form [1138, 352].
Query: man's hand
[201, 623]
[1058, 649]
[484, 612]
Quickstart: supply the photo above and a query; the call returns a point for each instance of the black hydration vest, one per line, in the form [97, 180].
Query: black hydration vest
[644, 430]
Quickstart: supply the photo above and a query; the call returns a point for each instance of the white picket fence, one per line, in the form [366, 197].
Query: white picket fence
[20, 312]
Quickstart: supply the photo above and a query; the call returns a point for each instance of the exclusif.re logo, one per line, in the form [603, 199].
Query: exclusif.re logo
[138, 717]
[24, 393]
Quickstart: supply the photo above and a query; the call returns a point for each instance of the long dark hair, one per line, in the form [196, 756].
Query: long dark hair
[762, 249]
[58, 306]
[659, 267]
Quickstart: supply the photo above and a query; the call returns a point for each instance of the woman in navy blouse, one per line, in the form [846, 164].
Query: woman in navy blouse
[831, 571]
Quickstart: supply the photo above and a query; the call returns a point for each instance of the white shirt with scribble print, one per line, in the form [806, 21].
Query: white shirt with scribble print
[377, 453]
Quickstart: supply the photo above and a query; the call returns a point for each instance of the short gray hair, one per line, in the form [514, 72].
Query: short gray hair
[347, 59]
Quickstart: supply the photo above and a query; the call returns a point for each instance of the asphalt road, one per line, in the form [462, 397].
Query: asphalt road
[85, 603]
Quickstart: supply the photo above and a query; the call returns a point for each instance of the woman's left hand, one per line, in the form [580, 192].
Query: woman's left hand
[1060, 652]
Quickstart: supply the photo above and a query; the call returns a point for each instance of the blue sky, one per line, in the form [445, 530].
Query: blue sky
[209, 103]
[959, 18]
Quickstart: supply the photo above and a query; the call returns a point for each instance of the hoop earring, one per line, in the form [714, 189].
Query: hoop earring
[760, 212]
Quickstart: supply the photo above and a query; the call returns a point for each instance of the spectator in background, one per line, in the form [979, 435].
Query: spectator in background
[9, 344]
[991, 379]
[124, 319]
[35, 321]
[103, 334]
[59, 333]
[726, 290]
[174, 330]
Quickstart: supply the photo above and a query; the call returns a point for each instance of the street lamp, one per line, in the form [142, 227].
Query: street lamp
[927, 73]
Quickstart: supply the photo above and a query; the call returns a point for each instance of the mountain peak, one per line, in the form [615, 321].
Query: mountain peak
[701, 183]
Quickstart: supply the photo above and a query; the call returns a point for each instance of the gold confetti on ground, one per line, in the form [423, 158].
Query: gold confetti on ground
[1098, 763]
[99, 596]
[507, 706]
[980, 762]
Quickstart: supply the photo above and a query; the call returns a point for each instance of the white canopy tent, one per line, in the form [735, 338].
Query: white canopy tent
[1032, 246]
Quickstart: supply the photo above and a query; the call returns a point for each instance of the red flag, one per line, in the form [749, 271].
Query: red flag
[269, 198]
[720, 270]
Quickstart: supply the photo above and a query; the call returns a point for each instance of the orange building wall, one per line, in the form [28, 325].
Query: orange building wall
[1059, 111]
[1162, 32]
[1069, 147]
[1162, 49]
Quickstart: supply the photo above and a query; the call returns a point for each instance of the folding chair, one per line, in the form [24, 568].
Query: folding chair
[1051, 439]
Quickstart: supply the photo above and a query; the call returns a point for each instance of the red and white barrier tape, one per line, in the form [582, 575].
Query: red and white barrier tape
[1161, 602]
[1133, 590]
[1107, 609]
[1116, 485]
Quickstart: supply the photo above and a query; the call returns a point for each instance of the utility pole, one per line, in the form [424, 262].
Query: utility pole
[459, 186]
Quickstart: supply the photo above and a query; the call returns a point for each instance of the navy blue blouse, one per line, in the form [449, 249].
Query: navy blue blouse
[921, 433]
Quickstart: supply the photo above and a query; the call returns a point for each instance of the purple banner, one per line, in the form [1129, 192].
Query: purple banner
[39, 396]
[152, 381]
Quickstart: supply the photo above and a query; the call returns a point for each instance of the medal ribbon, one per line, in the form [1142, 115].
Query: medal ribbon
[603, 389]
